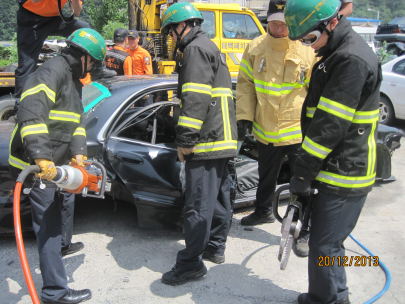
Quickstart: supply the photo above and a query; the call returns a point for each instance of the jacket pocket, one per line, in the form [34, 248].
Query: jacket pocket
[292, 70]
[58, 135]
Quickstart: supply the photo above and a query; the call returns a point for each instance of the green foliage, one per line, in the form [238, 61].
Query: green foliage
[383, 55]
[8, 19]
[103, 11]
[389, 9]
[109, 28]
[9, 54]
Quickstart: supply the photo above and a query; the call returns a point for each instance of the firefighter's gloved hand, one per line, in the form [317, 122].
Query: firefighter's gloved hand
[78, 160]
[184, 151]
[300, 187]
[244, 128]
[48, 169]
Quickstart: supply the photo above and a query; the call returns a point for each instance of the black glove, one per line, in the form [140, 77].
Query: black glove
[244, 128]
[300, 187]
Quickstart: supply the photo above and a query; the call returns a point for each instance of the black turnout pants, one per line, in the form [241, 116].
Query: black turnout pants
[52, 220]
[270, 161]
[32, 31]
[208, 211]
[333, 218]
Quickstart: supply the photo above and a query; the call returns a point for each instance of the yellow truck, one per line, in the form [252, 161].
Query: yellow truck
[230, 26]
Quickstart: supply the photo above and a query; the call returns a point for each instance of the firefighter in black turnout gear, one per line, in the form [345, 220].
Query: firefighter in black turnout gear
[339, 125]
[50, 131]
[206, 138]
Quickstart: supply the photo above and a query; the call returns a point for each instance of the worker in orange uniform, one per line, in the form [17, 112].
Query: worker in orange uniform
[117, 59]
[141, 60]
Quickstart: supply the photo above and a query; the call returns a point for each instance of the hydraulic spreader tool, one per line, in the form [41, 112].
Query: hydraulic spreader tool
[74, 179]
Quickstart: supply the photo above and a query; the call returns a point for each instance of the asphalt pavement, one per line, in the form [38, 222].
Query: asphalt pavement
[122, 263]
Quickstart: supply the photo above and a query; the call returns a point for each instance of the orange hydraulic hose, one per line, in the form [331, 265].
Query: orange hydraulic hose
[20, 244]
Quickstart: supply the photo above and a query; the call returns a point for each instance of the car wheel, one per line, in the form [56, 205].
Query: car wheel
[6, 107]
[387, 115]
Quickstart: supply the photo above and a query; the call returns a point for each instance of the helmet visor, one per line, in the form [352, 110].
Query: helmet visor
[311, 37]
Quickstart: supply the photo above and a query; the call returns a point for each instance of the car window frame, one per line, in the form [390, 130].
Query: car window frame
[397, 64]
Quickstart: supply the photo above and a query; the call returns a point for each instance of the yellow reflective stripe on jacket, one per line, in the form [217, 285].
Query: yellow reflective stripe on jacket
[274, 137]
[310, 112]
[18, 163]
[80, 131]
[222, 92]
[371, 150]
[197, 88]
[336, 108]
[216, 146]
[12, 137]
[346, 181]
[275, 89]
[225, 118]
[245, 67]
[315, 149]
[41, 87]
[33, 129]
[366, 116]
[190, 122]
[65, 116]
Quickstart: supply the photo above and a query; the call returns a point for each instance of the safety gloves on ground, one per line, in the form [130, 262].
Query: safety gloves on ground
[78, 160]
[184, 151]
[300, 187]
[48, 169]
[244, 128]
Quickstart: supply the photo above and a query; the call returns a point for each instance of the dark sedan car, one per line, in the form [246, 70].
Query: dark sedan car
[130, 126]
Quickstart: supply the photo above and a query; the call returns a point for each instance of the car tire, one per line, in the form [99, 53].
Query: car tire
[387, 115]
[6, 107]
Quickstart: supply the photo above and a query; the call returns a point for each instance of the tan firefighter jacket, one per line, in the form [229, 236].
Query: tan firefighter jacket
[273, 82]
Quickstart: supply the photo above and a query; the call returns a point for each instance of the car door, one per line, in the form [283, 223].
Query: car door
[144, 157]
[395, 84]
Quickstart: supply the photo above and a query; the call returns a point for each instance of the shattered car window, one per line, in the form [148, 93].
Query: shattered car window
[93, 95]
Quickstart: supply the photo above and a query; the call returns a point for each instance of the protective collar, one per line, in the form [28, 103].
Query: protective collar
[279, 44]
[335, 38]
[73, 56]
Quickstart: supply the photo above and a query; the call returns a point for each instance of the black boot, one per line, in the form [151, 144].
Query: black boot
[214, 258]
[72, 248]
[304, 298]
[300, 247]
[73, 297]
[256, 219]
[177, 276]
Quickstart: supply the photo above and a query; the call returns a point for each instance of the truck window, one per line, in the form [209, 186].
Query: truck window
[208, 25]
[239, 26]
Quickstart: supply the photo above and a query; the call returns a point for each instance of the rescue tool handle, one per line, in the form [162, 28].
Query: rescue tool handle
[277, 199]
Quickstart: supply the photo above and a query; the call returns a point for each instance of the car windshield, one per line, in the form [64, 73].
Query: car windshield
[400, 20]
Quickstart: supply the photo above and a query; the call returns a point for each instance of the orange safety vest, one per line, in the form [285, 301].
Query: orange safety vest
[45, 8]
[141, 61]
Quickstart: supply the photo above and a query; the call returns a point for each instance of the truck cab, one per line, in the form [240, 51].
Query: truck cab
[231, 27]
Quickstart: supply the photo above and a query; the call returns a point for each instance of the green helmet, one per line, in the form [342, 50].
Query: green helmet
[304, 16]
[179, 12]
[90, 42]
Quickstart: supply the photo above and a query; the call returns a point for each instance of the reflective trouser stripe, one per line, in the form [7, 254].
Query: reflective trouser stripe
[336, 108]
[371, 150]
[180, 103]
[33, 129]
[274, 137]
[310, 112]
[366, 116]
[41, 87]
[216, 146]
[315, 149]
[80, 131]
[307, 81]
[245, 67]
[65, 116]
[346, 181]
[190, 122]
[18, 163]
[196, 87]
